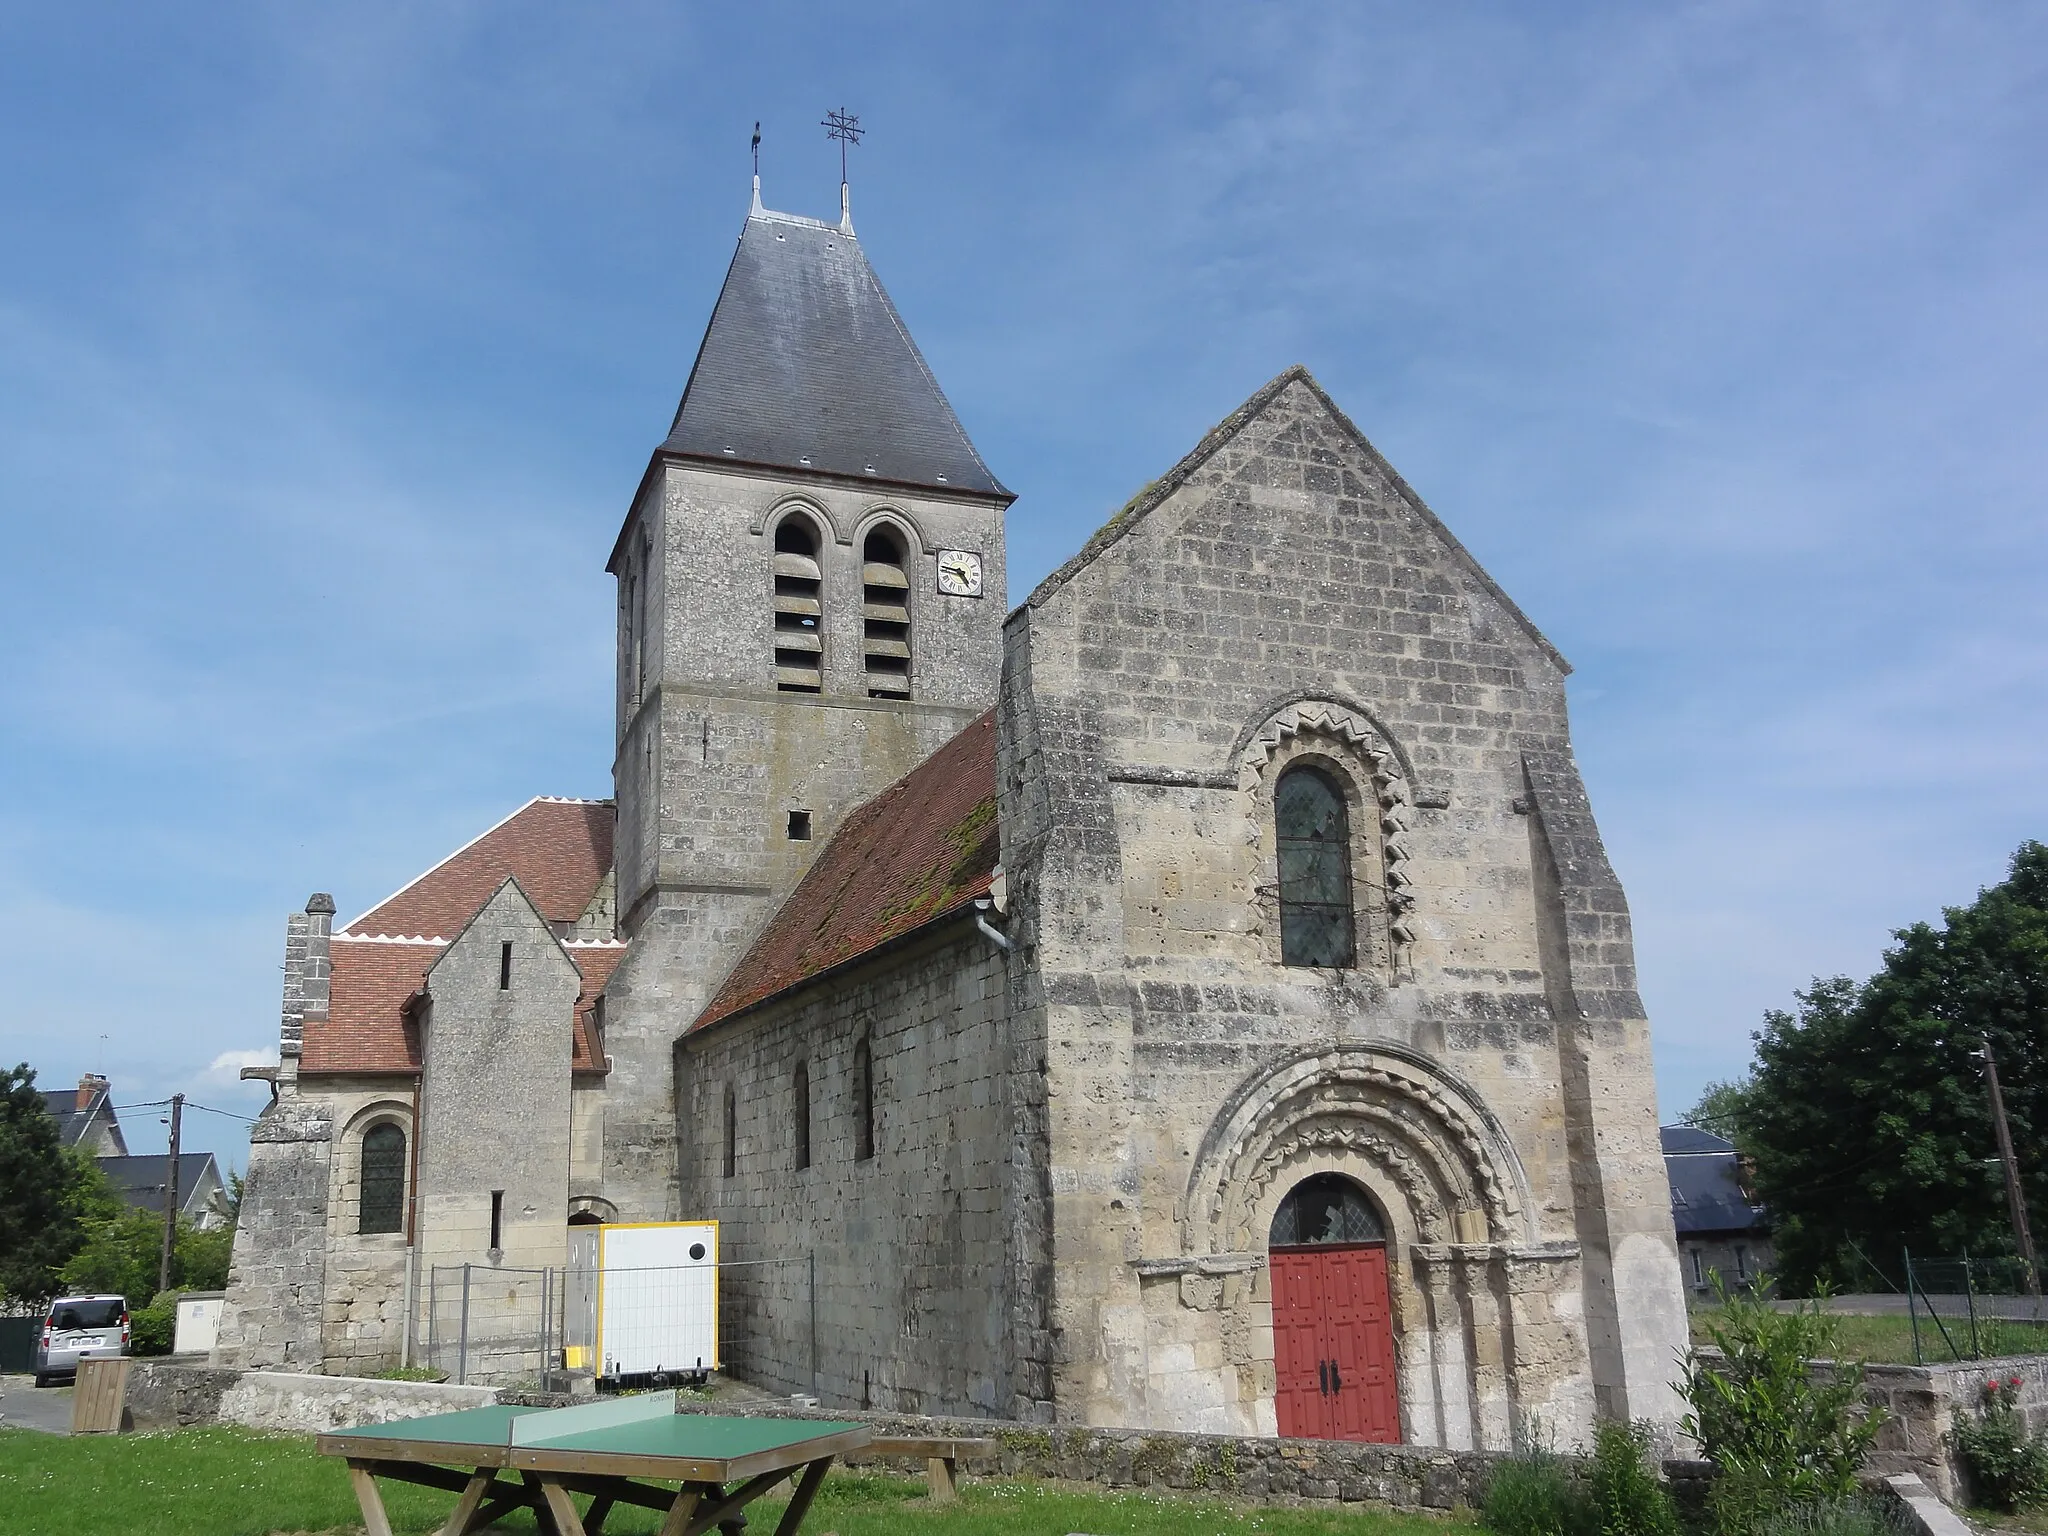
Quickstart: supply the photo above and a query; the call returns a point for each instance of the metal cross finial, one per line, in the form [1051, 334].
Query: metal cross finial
[757, 149]
[842, 125]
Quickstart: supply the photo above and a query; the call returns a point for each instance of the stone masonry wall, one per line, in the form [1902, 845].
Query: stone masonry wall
[711, 758]
[912, 1266]
[363, 1317]
[1283, 596]
[277, 1274]
[495, 1116]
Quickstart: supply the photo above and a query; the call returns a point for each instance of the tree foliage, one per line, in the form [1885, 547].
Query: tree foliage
[1867, 1115]
[124, 1255]
[1780, 1434]
[39, 1226]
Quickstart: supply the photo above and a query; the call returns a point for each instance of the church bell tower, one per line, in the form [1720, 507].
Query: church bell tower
[810, 602]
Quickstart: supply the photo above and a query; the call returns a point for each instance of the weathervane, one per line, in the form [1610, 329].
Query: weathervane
[845, 127]
[757, 149]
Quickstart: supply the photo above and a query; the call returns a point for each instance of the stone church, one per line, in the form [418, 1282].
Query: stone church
[1195, 998]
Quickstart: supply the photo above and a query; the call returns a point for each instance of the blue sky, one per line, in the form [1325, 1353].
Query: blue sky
[333, 342]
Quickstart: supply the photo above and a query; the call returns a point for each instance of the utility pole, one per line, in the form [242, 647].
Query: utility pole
[2015, 1198]
[163, 1273]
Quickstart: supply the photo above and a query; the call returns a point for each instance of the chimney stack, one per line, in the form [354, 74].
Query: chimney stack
[307, 972]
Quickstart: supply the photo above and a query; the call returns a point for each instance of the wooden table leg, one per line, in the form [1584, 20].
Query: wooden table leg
[375, 1521]
[938, 1479]
[567, 1521]
[800, 1501]
[594, 1517]
[679, 1512]
[465, 1508]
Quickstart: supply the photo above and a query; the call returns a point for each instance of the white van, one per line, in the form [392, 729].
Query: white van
[80, 1328]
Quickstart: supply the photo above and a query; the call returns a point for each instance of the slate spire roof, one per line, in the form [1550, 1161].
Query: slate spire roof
[807, 366]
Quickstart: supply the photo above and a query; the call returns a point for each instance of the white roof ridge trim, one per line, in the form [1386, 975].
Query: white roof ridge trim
[388, 938]
[593, 943]
[458, 853]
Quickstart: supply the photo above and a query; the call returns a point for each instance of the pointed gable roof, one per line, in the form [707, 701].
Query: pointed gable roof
[558, 850]
[1219, 436]
[807, 366]
[919, 851]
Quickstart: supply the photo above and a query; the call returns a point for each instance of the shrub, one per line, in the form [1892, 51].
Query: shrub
[2007, 1467]
[1533, 1493]
[1835, 1517]
[1780, 1437]
[153, 1330]
[1629, 1499]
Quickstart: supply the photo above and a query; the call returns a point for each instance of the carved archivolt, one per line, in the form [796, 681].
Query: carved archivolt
[1428, 1134]
[1355, 734]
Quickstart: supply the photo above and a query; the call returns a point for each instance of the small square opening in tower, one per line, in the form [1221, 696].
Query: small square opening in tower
[799, 826]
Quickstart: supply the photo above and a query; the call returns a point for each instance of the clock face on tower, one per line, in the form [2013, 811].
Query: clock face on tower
[959, 573]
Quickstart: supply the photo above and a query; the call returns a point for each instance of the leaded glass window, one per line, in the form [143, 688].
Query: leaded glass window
[1326, 1208]
[1314, 843]
[381, 1204]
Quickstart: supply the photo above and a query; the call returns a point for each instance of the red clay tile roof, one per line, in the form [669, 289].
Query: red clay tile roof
[366, 1028]
[922, 848]
[558, 850]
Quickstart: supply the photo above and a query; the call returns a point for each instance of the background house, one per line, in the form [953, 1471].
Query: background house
[1719, 1229]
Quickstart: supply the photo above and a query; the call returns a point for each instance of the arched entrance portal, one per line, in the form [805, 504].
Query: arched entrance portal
[1333, 1328]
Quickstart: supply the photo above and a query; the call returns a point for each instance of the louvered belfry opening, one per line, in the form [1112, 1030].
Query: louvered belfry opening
[799, 643]
[885, 614]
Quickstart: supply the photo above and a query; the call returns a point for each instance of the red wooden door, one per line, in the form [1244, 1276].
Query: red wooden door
[1300, 1396]
[1333, 1344]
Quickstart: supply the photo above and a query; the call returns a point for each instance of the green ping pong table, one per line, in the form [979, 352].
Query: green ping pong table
[618, 1451]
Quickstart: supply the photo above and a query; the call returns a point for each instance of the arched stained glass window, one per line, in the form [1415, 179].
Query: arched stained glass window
[380, 1206]
[1313, 837]
[1326, 1208]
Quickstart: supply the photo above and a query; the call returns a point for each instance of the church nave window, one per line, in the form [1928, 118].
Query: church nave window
[731, 1160]
[863, 1100]
[800, 1112]
[1313, 838]
[380, 1201]
[799, 637]
[885, 614]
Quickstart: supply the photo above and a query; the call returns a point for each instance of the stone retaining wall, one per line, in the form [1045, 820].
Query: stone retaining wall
[1403, 1476]
[1920, 1403]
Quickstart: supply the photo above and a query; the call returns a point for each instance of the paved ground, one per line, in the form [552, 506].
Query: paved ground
[2019, 1308]
[25, 1406]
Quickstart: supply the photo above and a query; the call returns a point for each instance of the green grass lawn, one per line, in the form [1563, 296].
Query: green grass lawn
[234, 1482]
[1889, 1340]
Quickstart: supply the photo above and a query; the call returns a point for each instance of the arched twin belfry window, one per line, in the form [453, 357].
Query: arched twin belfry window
[800, 608]
[1312, 835]
[799, 611]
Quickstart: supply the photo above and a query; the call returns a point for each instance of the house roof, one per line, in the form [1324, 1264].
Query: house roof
[139, 1180]
[558, 850]
[1705, 1173]
[920, 850]
[74, 1118]
[369, 1027]
[807, 366]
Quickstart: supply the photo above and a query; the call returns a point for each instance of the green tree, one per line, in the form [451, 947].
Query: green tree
[39, 1227]
[1723, 1108]
[1867, 1116]
[124, 1255]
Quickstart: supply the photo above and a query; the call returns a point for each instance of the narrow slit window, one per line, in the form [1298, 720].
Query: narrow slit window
[505, 966]
[732, 1132]
[1313, 840]
[497, 1219]
[799, 610]
[885, 614]
[863, 1100]
[380, 1203]
[800, 1113]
